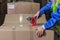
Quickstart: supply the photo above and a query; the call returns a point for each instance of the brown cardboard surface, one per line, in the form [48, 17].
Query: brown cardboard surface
[10, 10]
[24, 7]
[24, 32]
[6, 33]
[35, 7]
[49, 36]
[15, 19]
[30, 34]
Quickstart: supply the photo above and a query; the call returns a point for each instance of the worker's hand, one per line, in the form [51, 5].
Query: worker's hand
[37, 14]
[40, 31]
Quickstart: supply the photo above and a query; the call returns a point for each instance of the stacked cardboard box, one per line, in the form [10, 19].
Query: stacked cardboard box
[23, 7]
[21, 19]
[9, 32]
[16, 27]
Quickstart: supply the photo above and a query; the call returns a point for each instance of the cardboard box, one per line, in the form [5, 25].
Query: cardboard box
[49, 36]
[24, 32]
[24, 7]
[15, 29]
[26, 35]
[21, 19]
[6, 33]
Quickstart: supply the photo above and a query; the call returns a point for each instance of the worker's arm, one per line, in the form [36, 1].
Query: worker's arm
[54, 18]
[45, 8]
[52, 21]
[49, 23]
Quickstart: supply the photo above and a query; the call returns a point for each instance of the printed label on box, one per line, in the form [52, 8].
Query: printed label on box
[11, 6]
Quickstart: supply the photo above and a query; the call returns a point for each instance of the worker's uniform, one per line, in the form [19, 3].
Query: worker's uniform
[54, 16]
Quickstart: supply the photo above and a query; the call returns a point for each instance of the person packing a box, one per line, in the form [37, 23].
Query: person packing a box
[55, 16]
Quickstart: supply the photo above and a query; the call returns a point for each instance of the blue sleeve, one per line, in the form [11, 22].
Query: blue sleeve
[50, 23]
[45, 8]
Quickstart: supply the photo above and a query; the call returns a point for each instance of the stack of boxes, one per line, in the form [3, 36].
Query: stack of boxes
[16, 27]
